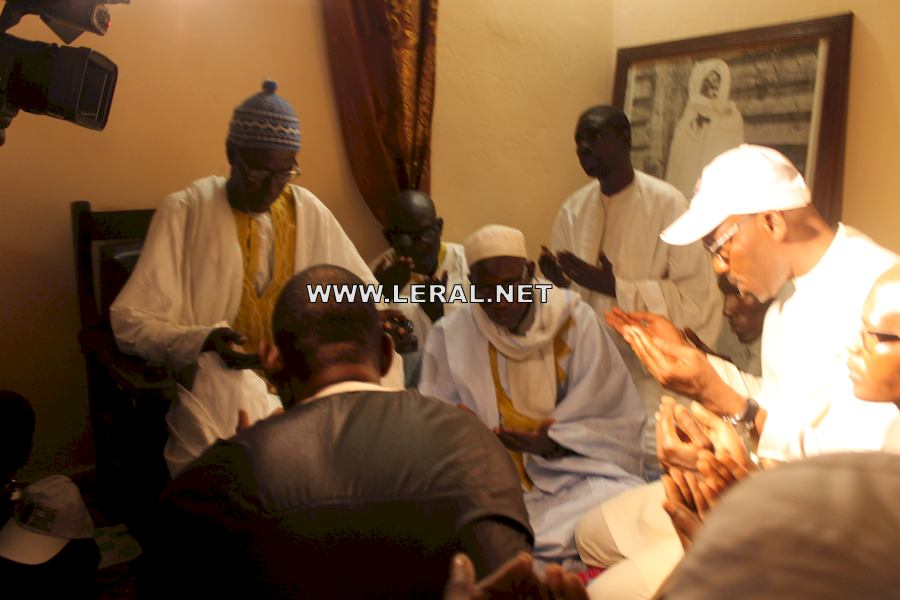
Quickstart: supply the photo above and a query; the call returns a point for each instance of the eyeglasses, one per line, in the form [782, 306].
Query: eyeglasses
[407, 238]
[871, 339]
[259, 176]
[483, 290]
[715, 248]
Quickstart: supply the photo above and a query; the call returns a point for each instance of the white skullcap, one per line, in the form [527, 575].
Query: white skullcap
[492, 241]
[742, 181]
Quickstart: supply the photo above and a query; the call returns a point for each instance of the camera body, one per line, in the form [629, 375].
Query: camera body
[74, 84]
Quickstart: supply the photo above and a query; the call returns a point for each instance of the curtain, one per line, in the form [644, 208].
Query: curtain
[382, 59]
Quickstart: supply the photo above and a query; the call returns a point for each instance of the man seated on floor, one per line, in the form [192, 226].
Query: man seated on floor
[547, 379]
[215, 259]
[753, 210]
[313, 503]
[418, 256]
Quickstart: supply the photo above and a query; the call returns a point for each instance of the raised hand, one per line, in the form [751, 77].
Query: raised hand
[595, 278]
[551, 268]
[434, 310]
[678, 437]
[394, 273]
[396, 325]
[514, 580]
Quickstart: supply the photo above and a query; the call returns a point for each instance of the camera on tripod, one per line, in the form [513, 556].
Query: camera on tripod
[74, 84]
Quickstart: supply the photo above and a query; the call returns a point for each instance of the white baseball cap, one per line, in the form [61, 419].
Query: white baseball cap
[742, 181]
[48, 515]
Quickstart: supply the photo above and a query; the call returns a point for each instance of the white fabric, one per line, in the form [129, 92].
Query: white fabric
[457, 271]
[598, 416]
[266, 252]
[742, 181]
[531, 363]
[675, 281]
[344, 387]
[892, 438]
[707, 127]
[808, 328]
[187, 282]
[492, 241]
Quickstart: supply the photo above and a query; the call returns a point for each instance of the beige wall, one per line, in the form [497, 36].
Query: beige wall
[183, 66]
[872, 166]
[513, 76]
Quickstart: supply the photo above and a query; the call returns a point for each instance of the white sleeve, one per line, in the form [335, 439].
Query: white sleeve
[145, 315]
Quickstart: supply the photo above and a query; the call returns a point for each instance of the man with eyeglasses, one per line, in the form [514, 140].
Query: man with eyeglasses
[214, 261]
[874, 361]
[549, 382]
[418, 256]
[754, 214]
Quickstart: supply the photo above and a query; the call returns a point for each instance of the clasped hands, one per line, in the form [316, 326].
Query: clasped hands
[703, 456]
[397, 273]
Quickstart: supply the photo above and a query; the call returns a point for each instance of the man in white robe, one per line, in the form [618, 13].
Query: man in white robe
[418, 256]
[754, 213]
[710, 124]
[606, 245]
[220, 251]
[547, 379]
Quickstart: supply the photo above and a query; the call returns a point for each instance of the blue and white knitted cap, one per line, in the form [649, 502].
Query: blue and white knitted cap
[265, 120]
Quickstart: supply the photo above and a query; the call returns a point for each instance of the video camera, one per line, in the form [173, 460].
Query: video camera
[75, 84]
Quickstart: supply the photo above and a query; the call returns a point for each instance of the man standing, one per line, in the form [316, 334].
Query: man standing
[318, 502]
[606, 242]
[546, 378]
[215, 259]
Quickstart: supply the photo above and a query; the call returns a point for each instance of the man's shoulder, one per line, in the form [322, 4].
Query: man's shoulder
[586, 193]
[659, 190]
[454, 320]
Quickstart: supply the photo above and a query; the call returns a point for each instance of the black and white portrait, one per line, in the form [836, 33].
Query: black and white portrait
[686, 110]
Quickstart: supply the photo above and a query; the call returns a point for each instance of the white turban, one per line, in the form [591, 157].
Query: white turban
[492, 241]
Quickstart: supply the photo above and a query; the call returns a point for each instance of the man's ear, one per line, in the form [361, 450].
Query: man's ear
[775, 225]
[386, 353]
[386, 233]
[440, 225]
[529, 267]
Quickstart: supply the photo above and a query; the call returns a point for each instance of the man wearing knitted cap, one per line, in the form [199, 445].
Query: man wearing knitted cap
[547, 379]
[215, 259]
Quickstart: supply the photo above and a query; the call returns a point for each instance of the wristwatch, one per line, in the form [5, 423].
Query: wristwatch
[746, 419]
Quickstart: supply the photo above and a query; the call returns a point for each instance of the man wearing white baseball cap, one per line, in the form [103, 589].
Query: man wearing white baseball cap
[753, 211]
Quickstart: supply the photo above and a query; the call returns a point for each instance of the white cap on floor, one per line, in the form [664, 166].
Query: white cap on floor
[48, 515]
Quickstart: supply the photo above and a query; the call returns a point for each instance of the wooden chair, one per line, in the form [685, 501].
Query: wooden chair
[128, 397]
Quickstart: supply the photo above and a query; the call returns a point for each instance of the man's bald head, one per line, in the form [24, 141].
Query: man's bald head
[313, 335]
[414, 229]
[874, 360]
[410, 207]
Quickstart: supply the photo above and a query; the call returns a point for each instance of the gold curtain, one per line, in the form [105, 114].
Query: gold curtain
[382, 60]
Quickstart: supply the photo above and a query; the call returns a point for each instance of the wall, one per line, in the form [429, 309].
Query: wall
[513, 77]
[183, 66]
[871, 176]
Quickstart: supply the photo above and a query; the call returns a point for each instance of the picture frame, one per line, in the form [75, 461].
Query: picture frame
[784, 86]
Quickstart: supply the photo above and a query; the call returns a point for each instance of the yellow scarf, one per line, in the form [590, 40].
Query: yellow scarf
[513, 419]
[254, 318]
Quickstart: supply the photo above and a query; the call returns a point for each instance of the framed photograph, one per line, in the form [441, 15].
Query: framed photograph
[783, 86]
